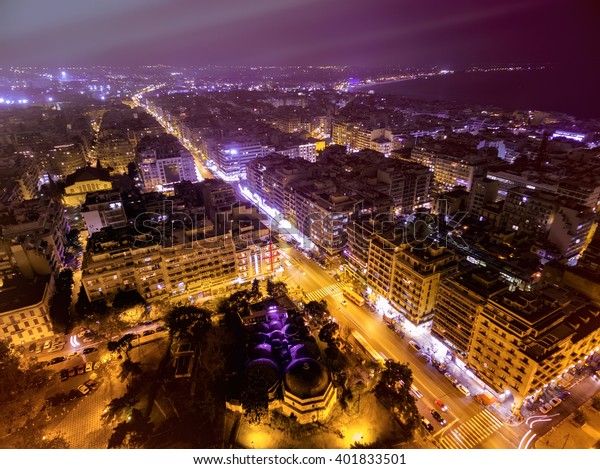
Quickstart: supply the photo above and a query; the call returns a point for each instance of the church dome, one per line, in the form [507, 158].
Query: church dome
[306, 378]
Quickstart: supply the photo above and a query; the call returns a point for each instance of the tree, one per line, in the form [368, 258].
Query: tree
[35, 438]
[118, 408]
[90, 310]
[255, 290]
[131, 433]
[22, 388]
[72, 238]
[393, 391]
[580, 418]
[189, 322]
[329, 333]
[317, 309]
[129, 367]
[127, 299]
[596, 402]
[61, 301]
[255, 395]
[123, 345]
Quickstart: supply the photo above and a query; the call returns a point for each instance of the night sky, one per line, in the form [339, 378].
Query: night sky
[450, 33]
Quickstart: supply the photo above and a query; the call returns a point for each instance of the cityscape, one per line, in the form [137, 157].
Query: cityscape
[237, 255]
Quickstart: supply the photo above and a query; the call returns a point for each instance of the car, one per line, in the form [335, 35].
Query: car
[441, 405]
[436, 415]
[564, 395]
[39, 348]
[80, 369]
[343, 302]
[92, 384]
[148, 332]
[545, 408]
[57, 347]
[83, 389]
[414, 345]
[161, 328]
[32, 347]
[463, 389]
[427, 424]
[89, 366]
[47, 344]
[89, 350]
[72, 372]
[555, 401]
[56, 360]
[72, 355]
[451, 378]
[64, 374]
[87, 340]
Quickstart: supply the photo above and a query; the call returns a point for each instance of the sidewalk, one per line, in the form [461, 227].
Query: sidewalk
[568, 435]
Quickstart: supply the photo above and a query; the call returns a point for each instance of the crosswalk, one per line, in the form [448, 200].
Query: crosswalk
[321, 293]
[472, 432]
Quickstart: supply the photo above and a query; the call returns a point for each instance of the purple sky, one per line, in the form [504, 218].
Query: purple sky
[450, 33]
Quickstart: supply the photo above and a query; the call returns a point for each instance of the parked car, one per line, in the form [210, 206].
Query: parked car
[87, 340]
[47, 344]
[89, 366]
[436, 415]
[39, 348]
[83, 389]
[545, 408]
[463, 389]
[80, 369]
[92, 384]
[555, 401]
[72, 355]
[148, 332]
[451, 378]
[56, 360]
[72, 372]
[441, 405]
[32, 347]
[89, 350]
[427, 424]
[57, 347]
[64, 374]
[414, 345]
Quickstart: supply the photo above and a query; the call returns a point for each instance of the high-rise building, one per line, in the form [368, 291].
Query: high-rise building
[162, 162]
[461, 298]
[231, 158]
[66, 159]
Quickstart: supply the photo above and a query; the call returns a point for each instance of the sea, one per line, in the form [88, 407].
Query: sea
[571, 90]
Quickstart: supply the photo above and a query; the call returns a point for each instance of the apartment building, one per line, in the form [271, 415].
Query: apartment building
[103, 209]
[232, 158]
[546, 217]
[25, 309]
[162, 162]
[33, 236]
[451, 170]
[192, 264]
[523, 341]
[461, 298]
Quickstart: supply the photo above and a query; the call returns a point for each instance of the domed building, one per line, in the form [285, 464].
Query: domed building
[269, 371]
[308, 391]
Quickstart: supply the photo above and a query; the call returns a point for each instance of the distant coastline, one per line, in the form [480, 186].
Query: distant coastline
[378, 83]
[566, 90]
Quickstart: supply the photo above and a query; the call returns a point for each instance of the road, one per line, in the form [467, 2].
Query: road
[470, 425]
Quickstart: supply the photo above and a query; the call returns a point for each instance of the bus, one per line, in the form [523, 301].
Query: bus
[354, 297]
[366, 348]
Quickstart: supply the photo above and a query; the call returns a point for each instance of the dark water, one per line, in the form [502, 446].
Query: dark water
[575, 91]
